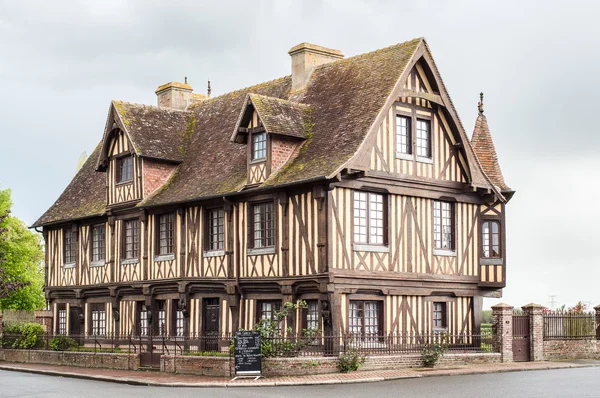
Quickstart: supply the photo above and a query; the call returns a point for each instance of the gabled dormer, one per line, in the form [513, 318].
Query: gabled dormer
[273, 130]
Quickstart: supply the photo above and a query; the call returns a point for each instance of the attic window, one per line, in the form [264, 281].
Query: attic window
[125, 169]
[259, 146]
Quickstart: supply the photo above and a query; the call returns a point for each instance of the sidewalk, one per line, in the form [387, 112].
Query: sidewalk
[174, 380]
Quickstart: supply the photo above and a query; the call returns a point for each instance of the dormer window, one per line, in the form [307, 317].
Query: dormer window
[259, 146]
[125, 169]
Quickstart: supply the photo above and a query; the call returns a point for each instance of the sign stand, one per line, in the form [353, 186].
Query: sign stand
[247, 355]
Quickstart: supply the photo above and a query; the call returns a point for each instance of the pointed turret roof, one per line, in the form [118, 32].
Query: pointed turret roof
[484, 148]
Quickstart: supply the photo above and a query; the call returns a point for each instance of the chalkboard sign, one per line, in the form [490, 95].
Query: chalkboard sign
[248, 358]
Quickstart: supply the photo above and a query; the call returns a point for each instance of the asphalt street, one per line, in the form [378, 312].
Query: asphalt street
[580, 382]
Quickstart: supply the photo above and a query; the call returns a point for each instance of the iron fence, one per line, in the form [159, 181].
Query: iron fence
[560, 325]
[275, 346]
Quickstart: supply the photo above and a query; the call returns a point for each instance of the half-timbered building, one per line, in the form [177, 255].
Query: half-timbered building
[350, 184]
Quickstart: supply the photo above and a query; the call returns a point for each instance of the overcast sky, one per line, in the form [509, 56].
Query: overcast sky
[537, 63]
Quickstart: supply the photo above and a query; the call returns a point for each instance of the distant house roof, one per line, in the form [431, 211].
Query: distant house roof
[333, 116]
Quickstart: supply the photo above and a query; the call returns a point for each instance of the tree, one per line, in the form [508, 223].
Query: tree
[21, 255]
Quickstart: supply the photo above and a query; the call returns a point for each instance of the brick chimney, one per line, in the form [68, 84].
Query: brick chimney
[305, 58]
[174, 95]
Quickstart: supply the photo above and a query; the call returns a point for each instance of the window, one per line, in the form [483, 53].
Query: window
[62, 320]
[491, 239]
[267, 309]
[132, 239]
[423, 139]
[98, 319]
[443, 225]
[162, 318]
[259, 146]
[215, 234]
[369, 218]
[403, 139]
[364, 319]
[311, 315]
[179, 323]
[143, 319]
[439, 316]
[69, 246]
[98, 243]
[166, 234]
[263, 225]
[125, 171]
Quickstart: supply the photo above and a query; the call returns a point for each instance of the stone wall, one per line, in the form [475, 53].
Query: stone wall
[571, 349]
[79, 359]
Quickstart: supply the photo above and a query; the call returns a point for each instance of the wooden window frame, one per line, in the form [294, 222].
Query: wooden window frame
[253, 150]
[98, 326]
[409, 135]
[251, 225]
[209, 241]
[452, 208]
[135, 243]
[171, 227]
[490, 239]
[379, 316]
[368, 218]
[94, 255]
[443, 315]
[276, 305]
[142, 325]
[120, 163]
[429, 147]
[70, 250]
[160, 326]
[316, 313]
[61, 327]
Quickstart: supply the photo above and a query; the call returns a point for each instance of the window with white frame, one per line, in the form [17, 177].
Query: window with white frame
[403, 138]
[443, 225]
[98, 243]
[423, 138]
[369, 218]
[98, 319]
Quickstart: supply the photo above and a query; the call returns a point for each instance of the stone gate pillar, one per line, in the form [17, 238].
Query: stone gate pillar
[536, 331]
[502, 327]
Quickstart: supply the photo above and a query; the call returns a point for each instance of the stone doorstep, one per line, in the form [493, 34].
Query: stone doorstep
[337, 378]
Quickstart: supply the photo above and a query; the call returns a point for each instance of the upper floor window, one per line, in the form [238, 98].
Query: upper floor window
[423, 138]
[215, 229]
[439, 315]
[490, 231]
[69, 246]
[98, 325]
[131, 241]
[166, 234]
[125, 169]
[364, 319]
[443, 225]
[263, 225]
[403, 139]
[98, 243]
[259, 146]
[369, 218]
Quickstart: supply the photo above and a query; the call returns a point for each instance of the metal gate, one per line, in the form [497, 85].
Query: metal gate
[521, 341]
[150, 353]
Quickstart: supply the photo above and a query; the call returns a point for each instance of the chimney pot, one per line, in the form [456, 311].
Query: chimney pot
[305, 58]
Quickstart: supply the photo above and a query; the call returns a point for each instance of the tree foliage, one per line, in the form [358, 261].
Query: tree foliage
[21, 256]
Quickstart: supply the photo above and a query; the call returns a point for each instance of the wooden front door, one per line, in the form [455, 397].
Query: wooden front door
[74, 321]
[521, 341]
[210, 324]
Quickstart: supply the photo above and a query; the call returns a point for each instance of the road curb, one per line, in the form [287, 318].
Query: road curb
[265, 383]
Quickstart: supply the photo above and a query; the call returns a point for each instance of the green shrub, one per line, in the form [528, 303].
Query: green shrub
[350, 360]
[432, 352]
[62, 343]
[24, 335]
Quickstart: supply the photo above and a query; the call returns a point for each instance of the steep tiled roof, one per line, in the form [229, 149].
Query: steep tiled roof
[84, 197]
[155, 132]
[484, 148]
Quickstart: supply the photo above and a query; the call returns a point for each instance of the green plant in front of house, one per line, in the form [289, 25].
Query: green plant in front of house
[432, 352]
[62, 343]
[350, 360]
[24, 336]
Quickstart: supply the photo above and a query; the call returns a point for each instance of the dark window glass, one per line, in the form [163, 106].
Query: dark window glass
[216, 229]
[166, 233]
[364, 319]
[259, 146]
[69, 246]
[267, 310]
[491, 239]
[62, 320]
[423, 138]
[263, 225]
[312, 314]
[98, 319]
[439, 315]
[143, 326]
[403, 140]
[369, 218]
[98, 243]
[443, 225]
[125, 172]
[132, 239]
[179, 323]
[162, 318]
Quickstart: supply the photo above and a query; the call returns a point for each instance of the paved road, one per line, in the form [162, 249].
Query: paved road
[582, 382]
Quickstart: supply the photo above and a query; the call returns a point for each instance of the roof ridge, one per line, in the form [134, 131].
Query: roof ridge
[135, 104]
[240, 90]
[279, 99]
